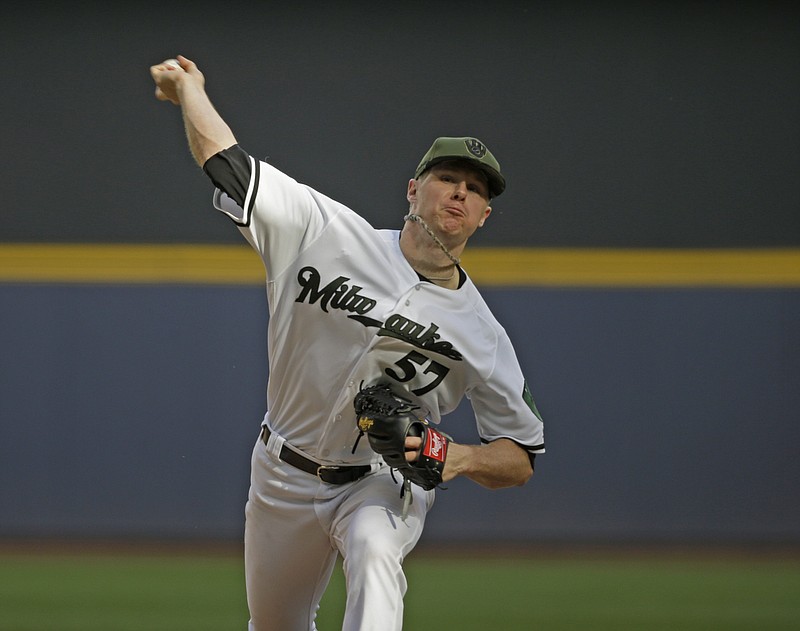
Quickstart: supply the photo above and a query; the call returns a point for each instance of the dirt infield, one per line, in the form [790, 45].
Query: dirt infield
[122, 546]
[52, 546]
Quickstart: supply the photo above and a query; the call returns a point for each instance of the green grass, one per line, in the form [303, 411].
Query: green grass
[613, 594]
[123, 592]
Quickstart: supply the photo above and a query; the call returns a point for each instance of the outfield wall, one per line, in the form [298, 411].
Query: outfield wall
[130, 409]
[668, 366]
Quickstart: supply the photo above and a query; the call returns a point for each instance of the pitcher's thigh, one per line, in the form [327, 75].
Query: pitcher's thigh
[288, 563]
[374, 540]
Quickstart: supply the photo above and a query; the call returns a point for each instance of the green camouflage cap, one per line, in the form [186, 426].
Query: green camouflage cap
[470, 149]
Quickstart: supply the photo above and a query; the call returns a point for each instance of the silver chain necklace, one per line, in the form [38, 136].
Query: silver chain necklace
[453, 273]
[418, 219]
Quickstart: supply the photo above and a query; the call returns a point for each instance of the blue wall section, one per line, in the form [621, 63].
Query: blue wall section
[128, 410]
[670, 414]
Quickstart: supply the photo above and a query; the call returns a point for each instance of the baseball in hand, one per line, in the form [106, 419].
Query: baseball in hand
[174, 63]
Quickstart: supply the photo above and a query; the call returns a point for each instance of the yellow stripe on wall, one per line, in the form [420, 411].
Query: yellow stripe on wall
[635, 268]
[554, 267]
[122, 263]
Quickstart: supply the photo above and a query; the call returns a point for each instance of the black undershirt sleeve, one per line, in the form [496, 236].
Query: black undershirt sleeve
[229, 170]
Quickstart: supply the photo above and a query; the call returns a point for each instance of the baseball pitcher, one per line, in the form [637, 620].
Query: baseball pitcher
[374, 336]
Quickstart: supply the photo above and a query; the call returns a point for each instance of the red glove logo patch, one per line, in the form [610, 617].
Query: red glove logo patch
[435, 445]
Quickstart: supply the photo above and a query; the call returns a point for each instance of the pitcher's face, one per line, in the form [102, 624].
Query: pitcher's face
[452, 199]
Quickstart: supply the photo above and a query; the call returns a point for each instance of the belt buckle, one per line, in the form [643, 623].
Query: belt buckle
[321, 469]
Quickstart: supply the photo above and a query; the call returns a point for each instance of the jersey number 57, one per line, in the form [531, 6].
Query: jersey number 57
[408, 367]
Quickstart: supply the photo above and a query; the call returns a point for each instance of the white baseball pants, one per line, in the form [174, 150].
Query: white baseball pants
[295, 527]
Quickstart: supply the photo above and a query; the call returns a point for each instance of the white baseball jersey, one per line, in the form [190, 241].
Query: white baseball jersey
[346, 310]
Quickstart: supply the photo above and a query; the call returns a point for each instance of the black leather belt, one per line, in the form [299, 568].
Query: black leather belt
[332, 474]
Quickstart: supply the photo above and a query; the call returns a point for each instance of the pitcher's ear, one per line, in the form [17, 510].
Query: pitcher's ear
[486, 214]
[411, 193]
